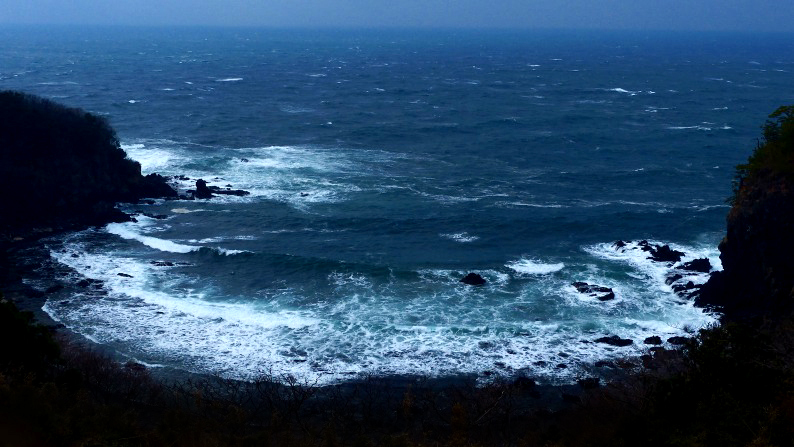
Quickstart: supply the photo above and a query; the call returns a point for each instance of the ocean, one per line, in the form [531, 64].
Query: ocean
[383, 166]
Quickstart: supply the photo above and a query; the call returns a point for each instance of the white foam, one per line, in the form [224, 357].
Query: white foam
[533, 267]
[463, 237]
[123, 230]
[622, 90]
[229, 80]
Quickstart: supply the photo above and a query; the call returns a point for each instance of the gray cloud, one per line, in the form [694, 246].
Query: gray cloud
[747, 15]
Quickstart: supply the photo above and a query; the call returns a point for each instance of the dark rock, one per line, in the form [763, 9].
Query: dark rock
[563, 354]
[202, 192]
[645, 246]
[701, 265]
[561, 366]
[163, 263]
[571, 398]
[619, 244]
[614, 340]
[524, 383]
[665, 254]
[154, 185]
[124, 275]
[672, 279]
[589, 382]
[53, 289]
[473, 279]
[134, 366]
[244, 160]
[604, 364]
[655, 340]
[231, 192]
[156, 216]
[600, 292]
[181, 177]
[35, 293]
[83, 283]
[304, 194]
[677, 340]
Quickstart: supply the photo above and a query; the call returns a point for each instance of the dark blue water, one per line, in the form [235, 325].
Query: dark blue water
[385, 166]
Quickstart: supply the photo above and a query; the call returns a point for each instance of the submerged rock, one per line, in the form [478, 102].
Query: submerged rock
[614, 340]
[600, 292]
[473, 279]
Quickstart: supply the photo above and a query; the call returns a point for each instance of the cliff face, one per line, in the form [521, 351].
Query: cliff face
[757, 252]
[61, 165]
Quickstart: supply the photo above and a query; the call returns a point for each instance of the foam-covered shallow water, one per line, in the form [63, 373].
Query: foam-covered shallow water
[382, 168]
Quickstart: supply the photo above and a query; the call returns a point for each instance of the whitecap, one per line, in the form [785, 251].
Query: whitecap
[463, 237]
[533, 267]
[124, 231]
[229, 80]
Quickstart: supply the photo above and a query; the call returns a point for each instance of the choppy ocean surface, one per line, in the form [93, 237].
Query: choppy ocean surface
[382, 168]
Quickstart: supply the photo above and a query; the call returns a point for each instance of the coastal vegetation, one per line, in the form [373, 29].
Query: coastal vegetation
[731, 384]
[63, 166]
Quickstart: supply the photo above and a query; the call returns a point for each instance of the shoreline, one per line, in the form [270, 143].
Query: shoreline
[21, 257]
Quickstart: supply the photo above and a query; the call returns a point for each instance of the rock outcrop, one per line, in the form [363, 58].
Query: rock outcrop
[757, 252]
[473, 279]
[62, 167]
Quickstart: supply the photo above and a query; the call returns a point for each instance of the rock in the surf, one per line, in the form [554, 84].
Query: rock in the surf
[202, 191]
[594, 291]
[614, 340]
[701, 265]
[473, 279]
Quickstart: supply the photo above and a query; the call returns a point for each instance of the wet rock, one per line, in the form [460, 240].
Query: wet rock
[156, 216]
[244, 160]
[672, 279]
[655, 340]
[594, 291]
[181, 177]
[202, 191]
[525, 383]
[562, 366]
[125, 275]
[163, 263]
[604, 364]
[619, 244]
[228, 192]
[665, 254]
[677, 340]
[473, 279]
[589, 383]
[134, 366]
[702, 265]
[53, 289]
[614, 340]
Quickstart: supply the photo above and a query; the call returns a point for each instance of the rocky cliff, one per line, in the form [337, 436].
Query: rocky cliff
[63, 167]
[757, 252]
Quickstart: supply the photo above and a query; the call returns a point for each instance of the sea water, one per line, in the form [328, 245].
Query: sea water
[385, 166]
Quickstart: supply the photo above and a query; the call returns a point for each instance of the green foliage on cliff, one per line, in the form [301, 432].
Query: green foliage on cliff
[775, 153]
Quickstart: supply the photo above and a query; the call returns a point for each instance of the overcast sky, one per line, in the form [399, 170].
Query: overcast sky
[744, 15]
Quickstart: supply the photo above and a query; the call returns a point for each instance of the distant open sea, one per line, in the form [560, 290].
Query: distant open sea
[383, 167]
